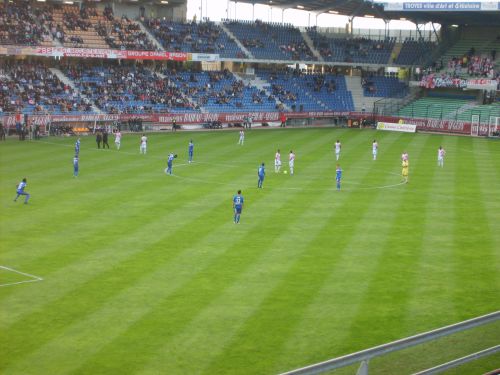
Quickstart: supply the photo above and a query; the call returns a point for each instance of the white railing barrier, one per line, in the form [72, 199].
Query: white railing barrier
[364, 356]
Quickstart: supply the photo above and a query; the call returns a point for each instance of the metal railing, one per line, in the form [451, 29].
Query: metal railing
[366, 355]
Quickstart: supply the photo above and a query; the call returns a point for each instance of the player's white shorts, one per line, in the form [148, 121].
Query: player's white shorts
[290, 164]
[277, 163]
[374, 152]
[143, 148]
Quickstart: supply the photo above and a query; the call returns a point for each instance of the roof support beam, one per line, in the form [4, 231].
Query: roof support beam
[336, 5]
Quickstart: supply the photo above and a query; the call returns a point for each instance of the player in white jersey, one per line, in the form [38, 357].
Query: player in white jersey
[277, 162]
[144, 144]
[441, 154]
[118, 139]
[291, 161]
[338, 146]
[242, 137]
[374, 149]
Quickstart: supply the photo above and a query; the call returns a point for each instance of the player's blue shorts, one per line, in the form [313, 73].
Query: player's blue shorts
[237, 209]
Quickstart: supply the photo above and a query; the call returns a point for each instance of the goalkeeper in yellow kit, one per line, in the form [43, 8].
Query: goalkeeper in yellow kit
[405, 165]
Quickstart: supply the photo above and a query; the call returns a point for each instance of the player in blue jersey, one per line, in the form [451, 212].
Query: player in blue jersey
[237, 206]
[77, 147]
[261, 173]
[170, 163]
[75, 166]
[190, 151]
[338, 176]
[20, 191]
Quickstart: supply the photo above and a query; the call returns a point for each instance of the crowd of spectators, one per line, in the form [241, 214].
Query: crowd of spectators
[357, 49]
[202, 37]
[271, 41]
[473, 65]
[368, 85]
[128, 89]
[297, 50]
[73, 21]
[31, 87]
[126, 34]
[23, 24]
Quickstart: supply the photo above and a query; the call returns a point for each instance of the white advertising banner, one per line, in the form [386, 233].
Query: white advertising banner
[395, 127]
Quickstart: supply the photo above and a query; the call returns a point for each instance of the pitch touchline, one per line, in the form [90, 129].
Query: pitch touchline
[34, 278]
[287, 188]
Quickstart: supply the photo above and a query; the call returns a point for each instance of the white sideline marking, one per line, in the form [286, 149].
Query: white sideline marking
[33, 279]
[235, 164]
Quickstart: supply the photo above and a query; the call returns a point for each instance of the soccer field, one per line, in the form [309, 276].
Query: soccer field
[144, 273]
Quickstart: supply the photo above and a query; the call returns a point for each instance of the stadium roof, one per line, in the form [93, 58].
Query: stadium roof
[361, 8]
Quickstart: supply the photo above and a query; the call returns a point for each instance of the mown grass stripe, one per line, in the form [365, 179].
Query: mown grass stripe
[272, 316]
[392, 279]
[54, 342]
[131, 210]
[337, 300]
[469, 265]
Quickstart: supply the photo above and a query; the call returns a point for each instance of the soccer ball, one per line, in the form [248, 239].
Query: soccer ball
[285, 172]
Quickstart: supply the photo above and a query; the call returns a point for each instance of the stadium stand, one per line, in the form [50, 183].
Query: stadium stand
[271, 41]
[205, 37]
[221, 91]
[433, 107]
[413, 51]
[355, 50]
[312, 92]
[32, 88]
[485, 112]
[381, 86]
[477, 41]
[24, 24]
[128, 89]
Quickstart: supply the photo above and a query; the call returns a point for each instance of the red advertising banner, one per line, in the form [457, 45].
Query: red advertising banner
[433, 125]
[180, 118]
[105, 53]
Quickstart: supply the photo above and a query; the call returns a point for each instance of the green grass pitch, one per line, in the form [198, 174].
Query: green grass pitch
[144, 273]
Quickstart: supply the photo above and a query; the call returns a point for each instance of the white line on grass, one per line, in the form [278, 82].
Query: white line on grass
[33, 279]
[234, 164]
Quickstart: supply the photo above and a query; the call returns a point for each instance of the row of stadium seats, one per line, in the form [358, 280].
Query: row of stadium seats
[356, 50]
[384, 87]
[413, 51]
[95, 27]
[205, 37]
[433, 107]
[269, 41]
[312, 92]
[130, 88]
[32, 88]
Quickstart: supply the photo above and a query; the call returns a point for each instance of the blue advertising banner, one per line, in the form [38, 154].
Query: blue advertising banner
[443, 6]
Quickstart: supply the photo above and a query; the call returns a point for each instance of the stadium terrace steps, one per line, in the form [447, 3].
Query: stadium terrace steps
[395, 52]
[188, 98]
[455, 114]
[483, 111]
[432, 107]
[260, 84]
[483, 40]
[354, 86]
[150, 36]
[238, 43]
[310, 44]
[67, 81]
